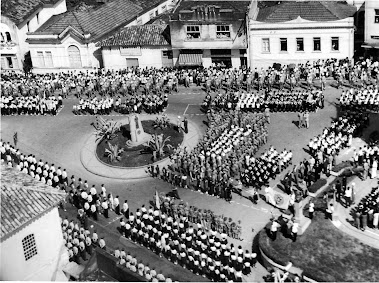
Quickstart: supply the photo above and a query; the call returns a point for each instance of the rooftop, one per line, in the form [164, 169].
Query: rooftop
[205, 10]
[19, 10]
[139, 36]
[318, 11]
[95, 22]
[23, 199]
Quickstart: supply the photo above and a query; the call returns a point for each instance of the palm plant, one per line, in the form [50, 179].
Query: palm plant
[106, 129]
[114, 152]
[158, 144]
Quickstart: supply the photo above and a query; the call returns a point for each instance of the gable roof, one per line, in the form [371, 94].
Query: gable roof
[95, 22]
[318, 11]
[139, 36]
[147, 4]
[19, 10]
[23, 199]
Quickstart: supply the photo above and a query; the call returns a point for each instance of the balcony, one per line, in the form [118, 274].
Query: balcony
[8, 47]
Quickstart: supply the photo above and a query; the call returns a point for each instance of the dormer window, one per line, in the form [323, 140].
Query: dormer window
[193, 32]
[8, 36]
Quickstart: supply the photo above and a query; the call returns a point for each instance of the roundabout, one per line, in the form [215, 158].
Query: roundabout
[133, 164]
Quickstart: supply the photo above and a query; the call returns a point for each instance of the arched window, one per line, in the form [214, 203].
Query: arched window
[74, 57]
[29, 246]
[8, 36]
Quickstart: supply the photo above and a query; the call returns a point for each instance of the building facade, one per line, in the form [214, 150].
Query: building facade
[68, 41]
[138, 46]
[18, 18]
[298, 31]
[206, 33]
[371, 29]
[31, 240]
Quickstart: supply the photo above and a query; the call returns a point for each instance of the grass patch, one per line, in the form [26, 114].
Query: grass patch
[317, 185]
[140, 155]
[324, 253]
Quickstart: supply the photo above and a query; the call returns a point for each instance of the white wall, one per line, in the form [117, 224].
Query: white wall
[371, 28]
[41, 267]
[299, 28]
[147, 57]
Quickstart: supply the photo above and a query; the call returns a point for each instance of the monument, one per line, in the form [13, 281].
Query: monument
[137, 134]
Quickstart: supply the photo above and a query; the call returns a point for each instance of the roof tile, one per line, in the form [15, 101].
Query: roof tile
[22, 201]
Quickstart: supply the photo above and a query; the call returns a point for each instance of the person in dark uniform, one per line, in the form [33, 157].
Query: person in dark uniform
[185, 123]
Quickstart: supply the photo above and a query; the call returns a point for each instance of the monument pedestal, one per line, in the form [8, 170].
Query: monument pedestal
[303, 221]
[137, 134]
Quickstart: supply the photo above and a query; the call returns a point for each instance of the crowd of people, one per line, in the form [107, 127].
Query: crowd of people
[366, 213]
[366, 97]
[206, 217]
[30, 105]
[192, 246]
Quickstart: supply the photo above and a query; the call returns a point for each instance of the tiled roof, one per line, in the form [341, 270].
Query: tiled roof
[309, 10]
[96, 22]
[19, 10]
[147, 4]
[139, 36]
[238, 7]
[23, 199]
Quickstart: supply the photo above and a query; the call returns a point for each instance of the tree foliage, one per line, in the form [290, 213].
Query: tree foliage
[106, 129]
[158, 144]
[114, 152]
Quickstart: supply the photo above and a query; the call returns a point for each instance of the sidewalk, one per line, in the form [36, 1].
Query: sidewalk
[91, 162]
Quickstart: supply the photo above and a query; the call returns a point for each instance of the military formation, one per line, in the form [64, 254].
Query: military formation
[364, 98]
[30, 105]
[192, 246]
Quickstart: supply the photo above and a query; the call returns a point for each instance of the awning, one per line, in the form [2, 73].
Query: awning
[191, 59]
[370, 45]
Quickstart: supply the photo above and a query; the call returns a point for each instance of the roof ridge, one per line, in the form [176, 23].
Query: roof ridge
[325, 4]
[51, 191]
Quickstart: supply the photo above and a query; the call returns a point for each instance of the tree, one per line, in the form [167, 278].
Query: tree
[105, 129]
[113, 153]
[158, 144]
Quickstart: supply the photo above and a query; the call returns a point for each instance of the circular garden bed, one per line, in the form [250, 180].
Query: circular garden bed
[140, 155]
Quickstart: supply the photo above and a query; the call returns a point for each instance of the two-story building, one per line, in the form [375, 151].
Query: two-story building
[18, 17]
[206, 33]
[371, 28]
[68, 41]
[301, 31]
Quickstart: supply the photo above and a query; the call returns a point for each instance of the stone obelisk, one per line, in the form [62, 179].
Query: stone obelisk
[137, 134]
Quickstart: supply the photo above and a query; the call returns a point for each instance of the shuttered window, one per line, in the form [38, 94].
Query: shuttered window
[74, 57]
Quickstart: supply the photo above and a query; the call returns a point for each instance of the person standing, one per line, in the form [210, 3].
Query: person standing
[185, 123]
[311, 209]
[105, 207]
[306, 119]
[294, 231]
[179, 124]
[116, 204]
[274, 229]
[125, 209]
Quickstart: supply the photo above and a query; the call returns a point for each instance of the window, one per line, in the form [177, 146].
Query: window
[265, 45]
[28, 26]
[242, 52]
[299, 44]
[3, 66]
[377, 16]
[335, 44]
[283, 44]
[193, 32]
[49, 59]
[74, 57]
[167, 54]
[164, 7]
[41, 59]
[223, 31]
[8, 36]
[15, 62]
[37, 16]
[151, 15]
[316, 44]
[10, 62]
[2, 37]
[29, 246]
[156, 13]
[139, 21]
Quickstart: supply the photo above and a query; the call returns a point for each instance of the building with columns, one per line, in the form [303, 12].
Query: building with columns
[18, 18]
[206, 33]
[300, 31]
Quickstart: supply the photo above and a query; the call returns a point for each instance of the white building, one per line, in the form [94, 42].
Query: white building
[371, 28]
[140, 46]
[300, 31]
[31, 240]
[18, 17]
[68, 41]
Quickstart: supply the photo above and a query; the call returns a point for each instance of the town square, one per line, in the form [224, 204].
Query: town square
[190, 141]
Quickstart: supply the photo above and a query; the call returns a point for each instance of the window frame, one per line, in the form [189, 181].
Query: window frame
[41, 59]
[314, 44]
[283, 40]
[376, 16]
[164, 8]
[37, 17]
[301, 41]
[49, 64]
[220, 33]
[338, 43]
[28, 26]
[168, 55]
[190, 33]
[29, 246]
[264, 41]
[9, 62]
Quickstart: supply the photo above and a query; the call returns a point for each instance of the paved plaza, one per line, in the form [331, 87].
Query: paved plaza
[67, 141]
